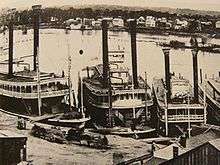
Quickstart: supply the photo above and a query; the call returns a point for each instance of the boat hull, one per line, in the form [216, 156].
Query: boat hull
[74, 124]
[213, 107]
[127, 132]
[29, 107]
[122, 116]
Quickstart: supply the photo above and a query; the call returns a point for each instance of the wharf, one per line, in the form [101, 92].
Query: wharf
[42, 152]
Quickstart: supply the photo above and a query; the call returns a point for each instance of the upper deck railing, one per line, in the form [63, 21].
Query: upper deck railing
[32, 83]
[44, 94]
[100, 91]
[185, 118]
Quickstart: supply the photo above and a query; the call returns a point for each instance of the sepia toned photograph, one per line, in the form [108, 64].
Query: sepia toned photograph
[109, 82]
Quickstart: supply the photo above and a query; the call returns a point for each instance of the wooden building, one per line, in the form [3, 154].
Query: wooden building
[205, 154]
[13, 148]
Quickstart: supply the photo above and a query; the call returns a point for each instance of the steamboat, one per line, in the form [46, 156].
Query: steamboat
[113, 95]
[178, 103]
[210, 88]
[33, 94]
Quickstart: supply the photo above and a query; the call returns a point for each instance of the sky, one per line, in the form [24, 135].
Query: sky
[191, 4]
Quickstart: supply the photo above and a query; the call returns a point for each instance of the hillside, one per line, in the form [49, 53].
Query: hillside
[157, 9]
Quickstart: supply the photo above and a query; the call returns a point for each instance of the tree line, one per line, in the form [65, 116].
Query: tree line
[25, 17]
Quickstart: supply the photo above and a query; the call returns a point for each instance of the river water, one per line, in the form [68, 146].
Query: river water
[54, 52]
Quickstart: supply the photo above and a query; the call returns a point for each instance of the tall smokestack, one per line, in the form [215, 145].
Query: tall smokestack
[133, 24]
[105, 51]
[36, 19]
[10, 50]
[166, 52]
[195, 74]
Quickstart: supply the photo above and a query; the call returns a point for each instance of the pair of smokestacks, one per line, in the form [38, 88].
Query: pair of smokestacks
[132, 27]
[36, 19]
[166, 52]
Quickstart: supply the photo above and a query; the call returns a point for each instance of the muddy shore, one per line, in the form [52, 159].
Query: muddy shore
[41, 152]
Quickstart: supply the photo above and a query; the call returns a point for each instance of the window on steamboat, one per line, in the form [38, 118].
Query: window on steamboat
[35, 88]
[23, 89]
[28, 89]
[18, 89]
[14, 88]
[121, 97]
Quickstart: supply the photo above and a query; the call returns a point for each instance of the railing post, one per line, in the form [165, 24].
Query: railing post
[214, 94]
[166, 114]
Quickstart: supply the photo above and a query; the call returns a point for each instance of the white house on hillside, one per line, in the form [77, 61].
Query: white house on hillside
[141, 21]
[150, 22]
[117, 22]
[180, 24]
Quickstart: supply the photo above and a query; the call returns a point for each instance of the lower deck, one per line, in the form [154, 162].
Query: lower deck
[122, 106]
[118, 116]
[29, 107]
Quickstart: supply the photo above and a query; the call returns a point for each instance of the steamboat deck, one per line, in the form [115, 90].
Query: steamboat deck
[181, 111]
[211, 87]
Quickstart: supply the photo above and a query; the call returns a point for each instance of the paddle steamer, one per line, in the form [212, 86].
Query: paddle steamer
[178, 103]
[211, 88]
[31, 92]
[114, 96]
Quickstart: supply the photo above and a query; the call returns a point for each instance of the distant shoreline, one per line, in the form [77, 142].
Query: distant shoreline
[161, 32]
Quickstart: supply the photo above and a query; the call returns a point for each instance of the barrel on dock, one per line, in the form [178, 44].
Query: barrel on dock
[12, 148]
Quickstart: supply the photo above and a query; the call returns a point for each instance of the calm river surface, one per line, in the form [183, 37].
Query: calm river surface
[54, 52]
